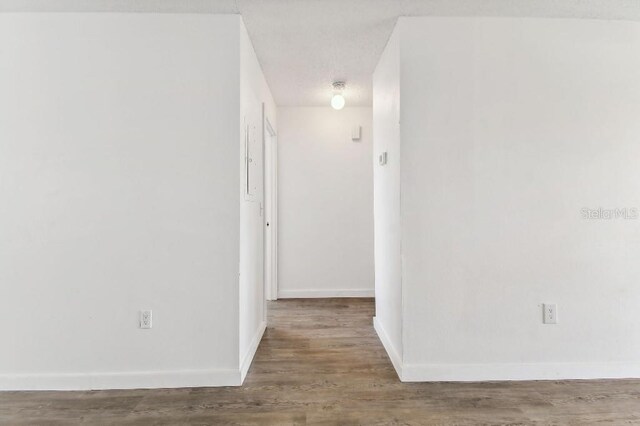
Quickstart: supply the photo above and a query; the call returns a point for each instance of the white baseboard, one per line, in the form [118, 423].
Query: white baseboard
[504, 371]
[512, 371]
[132, 380]
[251, 351]
[396, 360]
[318, 294]
[135, 380]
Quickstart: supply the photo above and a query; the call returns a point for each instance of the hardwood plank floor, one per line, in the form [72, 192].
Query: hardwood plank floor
[320, 362]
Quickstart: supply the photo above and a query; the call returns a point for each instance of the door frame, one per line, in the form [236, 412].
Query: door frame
[270, 170]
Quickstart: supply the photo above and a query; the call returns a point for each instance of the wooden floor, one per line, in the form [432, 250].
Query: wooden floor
[320, 362]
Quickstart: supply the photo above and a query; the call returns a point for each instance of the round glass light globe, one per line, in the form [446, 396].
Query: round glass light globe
[337, 101]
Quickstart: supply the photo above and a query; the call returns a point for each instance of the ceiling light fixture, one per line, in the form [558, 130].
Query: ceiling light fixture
[337, 101]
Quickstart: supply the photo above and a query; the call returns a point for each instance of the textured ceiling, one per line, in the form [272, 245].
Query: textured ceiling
[304, 45]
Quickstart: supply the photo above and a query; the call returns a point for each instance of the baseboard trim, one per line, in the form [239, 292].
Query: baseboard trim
[317, 294]
[512, 371]
[393, 354]
[251, 351]
[133, 380]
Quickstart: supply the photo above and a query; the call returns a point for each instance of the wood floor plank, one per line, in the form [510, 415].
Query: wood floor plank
[321, 363]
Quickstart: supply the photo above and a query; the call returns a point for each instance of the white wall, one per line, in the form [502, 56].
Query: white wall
[509, 128]
[325, 203]
[388, 261]
[119, 191]
[254, 92]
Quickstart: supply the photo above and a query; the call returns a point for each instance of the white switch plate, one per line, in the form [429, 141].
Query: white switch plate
[356, 133]
[382, 158]
[550, 315]
[146, 319]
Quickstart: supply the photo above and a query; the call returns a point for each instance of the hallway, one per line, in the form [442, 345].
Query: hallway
[320, 362]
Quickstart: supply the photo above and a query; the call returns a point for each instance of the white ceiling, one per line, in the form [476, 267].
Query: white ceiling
[304, 45]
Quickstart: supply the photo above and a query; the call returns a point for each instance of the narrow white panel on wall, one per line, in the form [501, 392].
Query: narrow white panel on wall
[356, 133]
[252, 150]
[382, 158]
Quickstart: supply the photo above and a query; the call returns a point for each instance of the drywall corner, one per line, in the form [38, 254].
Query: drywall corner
[387, 194]
[247, 359]
[392, 352]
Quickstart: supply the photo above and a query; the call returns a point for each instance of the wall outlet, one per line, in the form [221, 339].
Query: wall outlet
[550, 313]
[146, 319]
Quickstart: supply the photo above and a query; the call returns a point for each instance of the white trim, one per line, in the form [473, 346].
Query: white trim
[132, 380]
[269, 127]
[396, 360]
[270, 164]
[514, 371]
[314, 294]
[135, 380]
[504, 371]
[251, 351]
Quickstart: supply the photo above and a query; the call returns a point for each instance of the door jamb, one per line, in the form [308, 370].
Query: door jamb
[271, 217]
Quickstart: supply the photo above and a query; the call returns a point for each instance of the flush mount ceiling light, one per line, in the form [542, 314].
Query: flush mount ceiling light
[337, 101]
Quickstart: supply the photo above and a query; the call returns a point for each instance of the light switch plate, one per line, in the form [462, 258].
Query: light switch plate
[356, 133]
[382, 158]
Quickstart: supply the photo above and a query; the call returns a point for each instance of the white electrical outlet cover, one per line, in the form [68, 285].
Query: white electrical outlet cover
[550, 313]
[146, 319]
